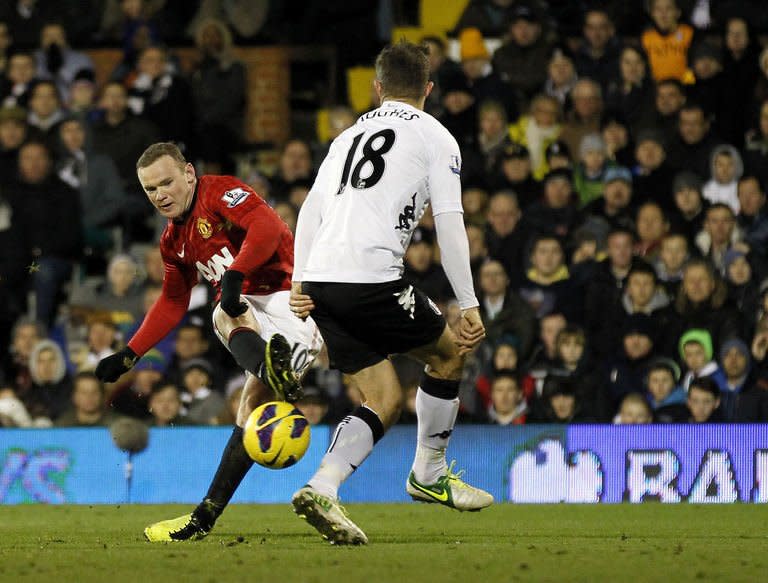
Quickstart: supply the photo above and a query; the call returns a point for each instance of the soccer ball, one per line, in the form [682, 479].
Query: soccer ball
[276, 435]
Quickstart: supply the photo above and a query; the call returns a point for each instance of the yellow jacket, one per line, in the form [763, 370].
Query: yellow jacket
[668, 53]
[518, 133]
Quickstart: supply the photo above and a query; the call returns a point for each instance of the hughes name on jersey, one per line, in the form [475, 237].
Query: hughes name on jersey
[372, 189]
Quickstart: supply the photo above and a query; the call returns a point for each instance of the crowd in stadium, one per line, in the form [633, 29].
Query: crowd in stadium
[614, 178]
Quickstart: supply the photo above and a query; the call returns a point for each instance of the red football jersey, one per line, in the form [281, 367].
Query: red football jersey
[227, 227]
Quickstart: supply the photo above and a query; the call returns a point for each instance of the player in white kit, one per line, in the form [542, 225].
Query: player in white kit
[353, 230]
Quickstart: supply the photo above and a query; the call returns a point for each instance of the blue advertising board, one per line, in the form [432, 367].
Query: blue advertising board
[525, 464]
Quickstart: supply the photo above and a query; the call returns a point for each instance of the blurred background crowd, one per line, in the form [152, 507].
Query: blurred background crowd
[615, 160]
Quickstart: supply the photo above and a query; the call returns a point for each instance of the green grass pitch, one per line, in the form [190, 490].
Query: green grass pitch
[409, 542]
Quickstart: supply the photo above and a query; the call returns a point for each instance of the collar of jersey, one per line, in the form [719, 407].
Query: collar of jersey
[180, 220]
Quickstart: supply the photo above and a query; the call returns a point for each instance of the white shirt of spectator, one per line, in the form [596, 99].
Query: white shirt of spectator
[374, 185]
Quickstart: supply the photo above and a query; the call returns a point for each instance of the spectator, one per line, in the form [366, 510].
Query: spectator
[651, 225]
[628, 369]
[756, 147]
[736, 366]
[615, 132]
[52, 238]
[340, 118]
[440, 67]
[574, 362]
[165, 406]
[218, 87]
[726, 169]
[666, 397]
[506, 235]
[102, 337]
[743, 287]
[164, 98]
[88, 408]
[693, 142]
[702, 303]
[671, 260]
[475, 203]
[82, 97]
[514, 173]
[25, 335]
[6, 40]
[538, 130]
[484, 83]
[696, 353]
[652, 175]
[740, 74]
[613, 209]
[670, 98]
[459, 108]
[557, 156]
[492, 17]
[634, 410]
[191, 343]
[13, 133]
[56, 60]
[153, 267]
[690, 208]
[752, 219]
[503, 357]
[584, 118]
[17, 80]
[488, 146]
[544, 356]
[598, 55]
[421, 270]
[133, 399]
[718, 236]
[708, 89]
[522, 60]
[557, 213]
[120, 296]
[589, 173]
[478, 252]
[704, 401]
[13, 272]
[295, 165]
[503, 312]
[632, 94]
[667, 42]
[561, 76]
[121, 18]
[123, 138]
[508, 405]
[94, 175]
[45, 110]
[548, 286]
[559, 403]
[203, 403]
[314, 406]
[51, 388]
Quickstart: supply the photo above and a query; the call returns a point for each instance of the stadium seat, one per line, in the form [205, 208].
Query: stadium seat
[322, 126]
[359, 80]
[441, 14]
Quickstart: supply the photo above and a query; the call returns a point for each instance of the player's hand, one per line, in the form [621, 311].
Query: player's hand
[471, 330]
[113, 367]
[301, 303]
[231, 286]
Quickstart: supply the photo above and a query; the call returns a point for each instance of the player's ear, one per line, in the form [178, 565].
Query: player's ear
[377, 86]
[189, 172]
[428, 89]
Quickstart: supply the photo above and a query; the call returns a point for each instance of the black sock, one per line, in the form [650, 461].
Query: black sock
[233, 467]
[248, 349]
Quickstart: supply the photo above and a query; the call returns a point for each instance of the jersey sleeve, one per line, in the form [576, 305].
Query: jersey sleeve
[169, 309]
[310, 215]
[239, 204]
[444, 173]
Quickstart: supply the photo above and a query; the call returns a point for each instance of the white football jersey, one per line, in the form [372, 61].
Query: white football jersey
[374, 186]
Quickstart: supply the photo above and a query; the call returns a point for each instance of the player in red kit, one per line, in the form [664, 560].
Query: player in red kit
[220, 228]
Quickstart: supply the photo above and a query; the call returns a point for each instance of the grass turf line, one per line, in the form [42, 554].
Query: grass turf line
[409, 542]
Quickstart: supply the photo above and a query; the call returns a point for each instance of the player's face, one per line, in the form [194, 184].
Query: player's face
[168, 185]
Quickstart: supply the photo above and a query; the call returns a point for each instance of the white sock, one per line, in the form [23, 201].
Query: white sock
[436, 418]
[352, 442]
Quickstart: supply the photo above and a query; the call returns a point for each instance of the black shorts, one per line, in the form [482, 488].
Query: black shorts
[363, 323]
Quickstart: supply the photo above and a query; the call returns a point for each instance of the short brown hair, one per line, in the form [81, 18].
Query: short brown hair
[403, 69]
[157, 151]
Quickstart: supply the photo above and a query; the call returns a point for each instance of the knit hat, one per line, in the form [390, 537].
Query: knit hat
[591, 143]
[687, 180]
[152, 360]
[472, 44]
[617, 173]
[737, 343]
[666, 364]
[700, 336]
[730, 256]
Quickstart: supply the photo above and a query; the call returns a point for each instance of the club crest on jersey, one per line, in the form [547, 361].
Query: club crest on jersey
[234, 197]
[455, 165]
[204, 228]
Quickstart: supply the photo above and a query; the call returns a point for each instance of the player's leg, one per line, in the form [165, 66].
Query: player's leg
[437, 404]
[268, 359]
[351, 444]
